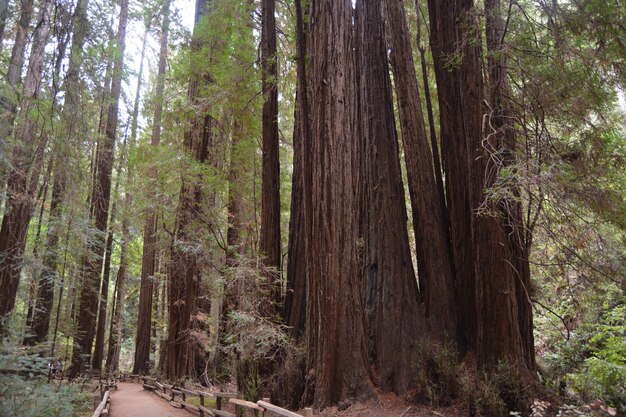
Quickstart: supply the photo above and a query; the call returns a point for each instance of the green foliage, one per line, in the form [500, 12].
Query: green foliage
[25, 392]
[437, 372]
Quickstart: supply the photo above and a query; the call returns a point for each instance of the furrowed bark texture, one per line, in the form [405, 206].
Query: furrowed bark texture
[270, 196]
[337, 358]
[294, 309]
[502, 135]
[487, 282]
[390, 286]
[435, 269]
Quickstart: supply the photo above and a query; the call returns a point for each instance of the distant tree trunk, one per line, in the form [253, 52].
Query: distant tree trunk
[14, 70]
[100, 202]
[70, 117]
[435, 270]
[294, 309]
[45, 290]
[4, 11]
[148, 261]
[98, 350]
[337, 359]
[184, 279]
[26, 165]
[270, 197]
[389, 283]
[9, 100]
[117, 311]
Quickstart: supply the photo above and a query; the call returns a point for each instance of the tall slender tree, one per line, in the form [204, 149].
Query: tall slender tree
[270, 196]
[26, 164]
[148, 262]
[294, 308]
[14, 77]
[435, 269]
[73, 125]
[100, 201]
[487, 289]
[183, 271]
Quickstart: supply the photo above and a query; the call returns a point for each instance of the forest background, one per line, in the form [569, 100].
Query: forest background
[162, 193]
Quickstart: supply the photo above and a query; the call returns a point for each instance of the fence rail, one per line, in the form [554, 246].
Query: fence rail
[211, 404]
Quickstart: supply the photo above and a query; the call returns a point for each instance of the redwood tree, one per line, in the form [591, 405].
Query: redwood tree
[26, 164]
[148, 261]
[337, 365]
[294, 308]
[487, 289]
[183, 271]
[100, 199]
[270, 196]
[390, 286]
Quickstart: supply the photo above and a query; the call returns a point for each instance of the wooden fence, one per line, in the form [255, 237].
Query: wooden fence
[208, 404]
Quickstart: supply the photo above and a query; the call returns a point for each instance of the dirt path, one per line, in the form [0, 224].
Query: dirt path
[131, 400]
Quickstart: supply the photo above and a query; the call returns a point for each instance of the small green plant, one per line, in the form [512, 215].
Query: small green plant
[25, 391]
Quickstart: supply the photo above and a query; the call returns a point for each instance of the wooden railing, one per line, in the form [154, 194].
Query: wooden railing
[102, 410]
[178, 397]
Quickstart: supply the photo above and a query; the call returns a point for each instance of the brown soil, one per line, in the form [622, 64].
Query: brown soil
[389, 405]
[131, 400]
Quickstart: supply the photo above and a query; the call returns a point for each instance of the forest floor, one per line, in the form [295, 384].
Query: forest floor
[389, 405]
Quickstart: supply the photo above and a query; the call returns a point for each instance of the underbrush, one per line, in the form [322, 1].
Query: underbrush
[26, 392]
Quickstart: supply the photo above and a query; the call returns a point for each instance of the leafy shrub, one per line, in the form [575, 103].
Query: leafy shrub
[20, 397]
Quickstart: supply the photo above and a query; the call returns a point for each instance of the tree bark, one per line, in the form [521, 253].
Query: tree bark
[100, 202]
[184, 278]
[148, 260]
[502, 134]
[71, 121]
[487, 281]
[337, 359]
[26, 165]
[389, 283]
[435, 271]
[459, 88]
[294, 309]
[270, 246]
[117, 311]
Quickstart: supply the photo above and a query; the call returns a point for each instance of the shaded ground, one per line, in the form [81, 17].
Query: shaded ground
[389, 405]
[131, 400]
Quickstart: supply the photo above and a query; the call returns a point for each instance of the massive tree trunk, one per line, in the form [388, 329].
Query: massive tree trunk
[337, 358]
[389, 283]
[26, 165]
[435, 270]
[459, 88]
[502, 136]
[487, 288]
[148, 260]
[270, 196]
[294, 309]
[184, 277]
[100, 203]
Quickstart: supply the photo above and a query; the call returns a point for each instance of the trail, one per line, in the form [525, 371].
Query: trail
[131, 400]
